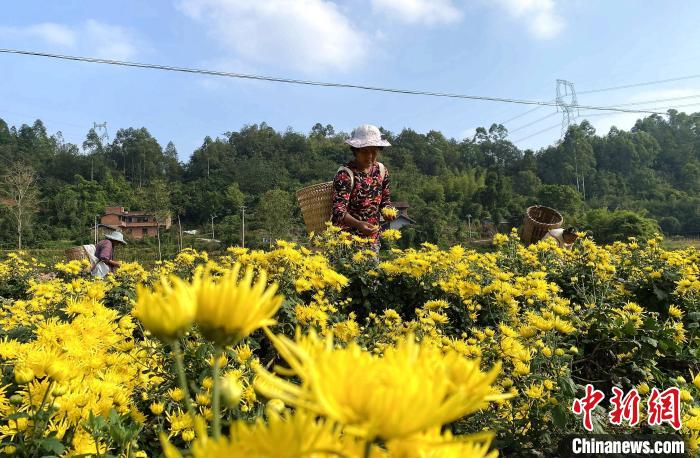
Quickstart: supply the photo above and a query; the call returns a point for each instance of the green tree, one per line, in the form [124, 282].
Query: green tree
[610, 226]
[156, 201]
[562, 197]
[20, 196]
[275, 212]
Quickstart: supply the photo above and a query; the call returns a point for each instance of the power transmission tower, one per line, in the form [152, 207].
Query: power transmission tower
[567, 103]
[103, 135]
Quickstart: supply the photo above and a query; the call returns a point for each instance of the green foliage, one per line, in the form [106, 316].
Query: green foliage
[654, 167]
[610, 226]
[563, 197]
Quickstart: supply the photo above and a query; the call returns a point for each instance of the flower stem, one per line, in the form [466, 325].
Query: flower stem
[216, 401]
[180, 366]
[38, 412]
[368, 448]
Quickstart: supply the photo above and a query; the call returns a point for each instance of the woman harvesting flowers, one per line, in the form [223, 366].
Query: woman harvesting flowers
[361, 187]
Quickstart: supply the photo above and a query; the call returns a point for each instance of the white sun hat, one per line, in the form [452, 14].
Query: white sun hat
[366, 135]
[116, 236]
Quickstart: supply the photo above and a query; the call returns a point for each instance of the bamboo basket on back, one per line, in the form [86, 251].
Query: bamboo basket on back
[316, 203]
[538, 221]
[76, 252]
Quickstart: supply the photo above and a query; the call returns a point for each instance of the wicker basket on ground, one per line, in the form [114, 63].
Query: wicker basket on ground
[538, 221]
[76, 252]
[316, 202]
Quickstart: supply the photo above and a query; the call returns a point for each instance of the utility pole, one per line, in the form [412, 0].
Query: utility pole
[243, 227]
[470, 225]
[212, 226]
[578, 187]
[179, 230]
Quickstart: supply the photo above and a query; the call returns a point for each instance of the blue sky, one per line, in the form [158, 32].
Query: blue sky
[503, 48]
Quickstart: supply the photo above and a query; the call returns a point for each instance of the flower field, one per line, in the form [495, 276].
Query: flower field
[330, 350]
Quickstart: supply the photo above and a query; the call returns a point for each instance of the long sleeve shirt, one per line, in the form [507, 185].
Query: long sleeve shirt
[369, 195]
[104, 251]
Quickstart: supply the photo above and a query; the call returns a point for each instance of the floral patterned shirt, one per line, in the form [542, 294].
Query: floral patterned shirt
[365, 201]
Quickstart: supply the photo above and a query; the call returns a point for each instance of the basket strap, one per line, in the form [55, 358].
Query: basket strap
[382, 173]
[342, 168]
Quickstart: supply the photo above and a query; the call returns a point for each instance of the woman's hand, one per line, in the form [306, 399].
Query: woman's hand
[367, 229]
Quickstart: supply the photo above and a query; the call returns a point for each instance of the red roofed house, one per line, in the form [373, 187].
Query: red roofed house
[135, 224]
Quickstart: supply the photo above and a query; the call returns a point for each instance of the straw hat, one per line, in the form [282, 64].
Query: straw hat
[116, 236]
[366, 135]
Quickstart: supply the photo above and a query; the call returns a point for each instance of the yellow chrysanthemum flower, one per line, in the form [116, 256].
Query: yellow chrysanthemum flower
[157, 408]
[696, 379]
[386, 388]
[675, 312]
[284, 436]
[168, 310]
[229, 309]
[391, 234]
[442, 445]
[390, 212]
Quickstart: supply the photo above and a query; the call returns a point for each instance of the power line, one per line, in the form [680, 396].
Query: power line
[677, 106]
[589, 115]
[305, 82]
[533, 122]
[615, 88]
[646, 83]
[671, 99]
[521, 115]
[538, 132]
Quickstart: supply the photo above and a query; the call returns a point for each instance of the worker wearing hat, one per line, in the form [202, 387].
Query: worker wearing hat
[104, 250]
[361, 187]
[564, 238]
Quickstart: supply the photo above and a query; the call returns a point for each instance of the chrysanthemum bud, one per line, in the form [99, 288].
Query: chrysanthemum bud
[231, 390]
[274, 407]
[23, 375]
[156, 408]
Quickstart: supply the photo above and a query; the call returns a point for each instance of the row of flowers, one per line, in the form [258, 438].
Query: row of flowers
[329, 349]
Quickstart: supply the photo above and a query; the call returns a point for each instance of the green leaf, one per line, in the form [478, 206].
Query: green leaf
[653, 342]
[568, 387]
[559, 416]
[695, 316]
[51, 444]
[660, 293]
[599, 420]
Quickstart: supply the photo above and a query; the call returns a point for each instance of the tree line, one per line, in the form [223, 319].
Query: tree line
[642, 179]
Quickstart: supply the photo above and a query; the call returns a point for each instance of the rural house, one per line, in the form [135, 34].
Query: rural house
[134, 224]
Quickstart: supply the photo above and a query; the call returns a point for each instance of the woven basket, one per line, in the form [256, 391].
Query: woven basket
[316, 202]
[77, 252]
[538, 221]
